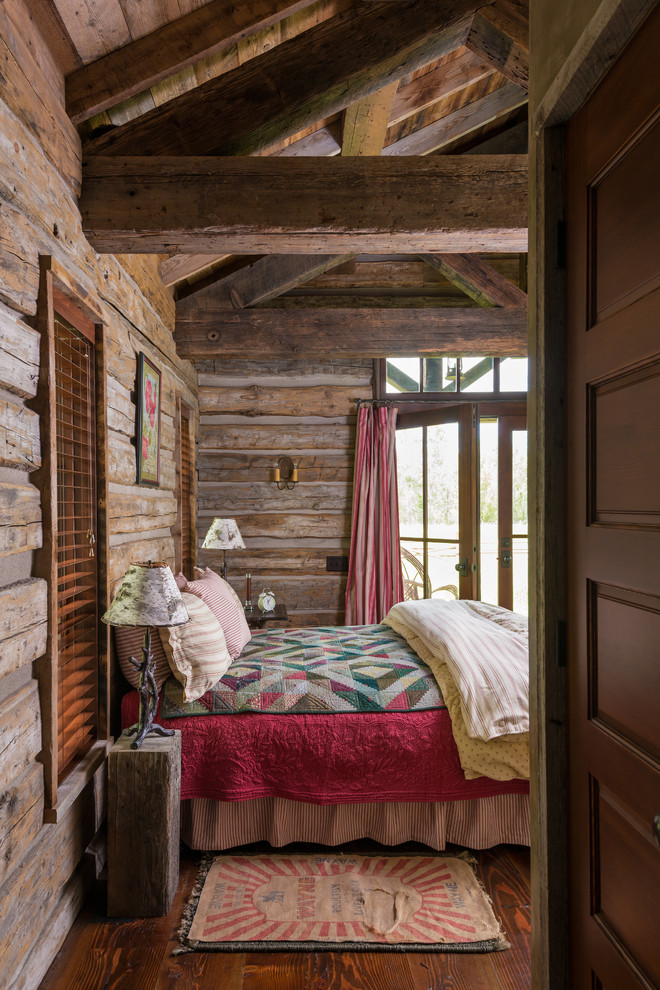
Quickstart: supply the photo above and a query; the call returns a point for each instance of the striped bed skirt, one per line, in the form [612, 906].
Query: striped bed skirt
[477, 824]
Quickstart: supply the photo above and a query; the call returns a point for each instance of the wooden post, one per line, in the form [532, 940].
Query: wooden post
[144, 787]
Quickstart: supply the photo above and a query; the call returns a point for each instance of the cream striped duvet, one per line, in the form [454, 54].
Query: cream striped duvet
[479, 656]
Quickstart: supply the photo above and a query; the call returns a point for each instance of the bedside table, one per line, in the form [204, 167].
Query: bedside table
[256, 619]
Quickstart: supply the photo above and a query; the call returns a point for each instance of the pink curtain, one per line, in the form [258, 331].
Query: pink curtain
[374, 570]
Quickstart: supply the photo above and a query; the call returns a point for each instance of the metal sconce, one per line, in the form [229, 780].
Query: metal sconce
[286, 473]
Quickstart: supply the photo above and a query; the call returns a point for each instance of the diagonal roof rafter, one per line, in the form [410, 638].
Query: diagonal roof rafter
[295, 84]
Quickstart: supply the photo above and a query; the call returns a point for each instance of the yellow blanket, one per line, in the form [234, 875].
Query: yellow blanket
[502, 758]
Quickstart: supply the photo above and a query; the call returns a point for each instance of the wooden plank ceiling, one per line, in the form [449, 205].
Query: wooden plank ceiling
[162, 93]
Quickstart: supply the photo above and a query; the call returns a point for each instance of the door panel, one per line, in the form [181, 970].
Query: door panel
[435, 457]
[613, 223]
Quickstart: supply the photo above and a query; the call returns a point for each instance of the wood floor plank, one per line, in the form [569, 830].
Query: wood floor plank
[511, 902]
[318, 971]
[454, 971]
[137, 952]
[224, 970]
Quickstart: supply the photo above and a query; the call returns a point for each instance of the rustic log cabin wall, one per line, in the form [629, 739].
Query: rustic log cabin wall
[251, 413]
[45, 869]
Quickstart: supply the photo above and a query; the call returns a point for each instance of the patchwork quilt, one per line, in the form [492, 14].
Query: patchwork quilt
[321, 670]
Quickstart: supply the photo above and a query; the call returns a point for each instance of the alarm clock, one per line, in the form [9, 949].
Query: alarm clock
[266, 600]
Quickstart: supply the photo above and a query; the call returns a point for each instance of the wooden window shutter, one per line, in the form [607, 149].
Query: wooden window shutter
[187, 537]
[76, 571]
[184, 531]
[75, 685]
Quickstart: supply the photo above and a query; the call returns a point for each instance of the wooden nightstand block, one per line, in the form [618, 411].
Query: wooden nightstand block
[144, 787]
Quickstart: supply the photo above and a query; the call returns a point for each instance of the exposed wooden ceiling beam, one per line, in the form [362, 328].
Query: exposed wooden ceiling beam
[322, 143]
[366, 123]
[438, 84]
[490, 41]
[477, 279]
[511, 139]
[49, 21]
[459, 122]
[142, 63]
[305, 206]
[263, 281]
[181, 266]
[350, 332]
[294, 85]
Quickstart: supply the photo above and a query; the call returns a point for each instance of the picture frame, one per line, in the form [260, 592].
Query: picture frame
[147, 434]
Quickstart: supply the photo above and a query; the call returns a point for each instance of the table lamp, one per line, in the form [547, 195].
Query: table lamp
[223, 535]
[147, 596]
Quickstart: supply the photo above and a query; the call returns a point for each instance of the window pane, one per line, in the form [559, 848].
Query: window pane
[520, 575]
[410, 480]
[412, 567]
[443, 576]
[519, 441]
[440, 374]
[477, 374]
[513, 375]
[488, 510]
[442, 494]
[402, 374]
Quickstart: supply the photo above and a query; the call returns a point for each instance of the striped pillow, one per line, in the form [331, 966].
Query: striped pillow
[197, 651]
[128, 643]
[226, 606]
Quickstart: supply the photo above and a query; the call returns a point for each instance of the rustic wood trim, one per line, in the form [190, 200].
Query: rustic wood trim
[477, 279]
[548, 569]
[292, 86]
[68, 285]
[504, 508]
[468, 498]
[137, 66]
[70, 789]
[103, 532]
[351, 332]
[46, 557]
[306, 206]
[600, 44]
[602, 41]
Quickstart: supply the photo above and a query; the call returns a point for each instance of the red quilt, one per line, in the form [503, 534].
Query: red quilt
[324, 759]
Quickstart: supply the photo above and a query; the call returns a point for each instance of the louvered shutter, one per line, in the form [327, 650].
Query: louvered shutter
[77, 595]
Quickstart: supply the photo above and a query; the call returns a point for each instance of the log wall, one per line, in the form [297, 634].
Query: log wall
[251, 413]
[46, 869]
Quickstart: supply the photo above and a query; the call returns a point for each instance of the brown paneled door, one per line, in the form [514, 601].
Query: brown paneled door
[613, 225]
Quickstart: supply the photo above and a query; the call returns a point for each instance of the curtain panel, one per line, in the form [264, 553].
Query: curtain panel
[374, 571]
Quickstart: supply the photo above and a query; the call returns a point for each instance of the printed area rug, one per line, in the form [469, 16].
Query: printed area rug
[327, 902]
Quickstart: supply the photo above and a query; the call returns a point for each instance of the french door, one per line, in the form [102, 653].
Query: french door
[462, 470]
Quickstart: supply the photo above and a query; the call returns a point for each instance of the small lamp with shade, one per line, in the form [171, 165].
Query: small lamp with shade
[147, 596]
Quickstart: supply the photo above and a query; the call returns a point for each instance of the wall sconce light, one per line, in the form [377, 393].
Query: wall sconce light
[286, 473]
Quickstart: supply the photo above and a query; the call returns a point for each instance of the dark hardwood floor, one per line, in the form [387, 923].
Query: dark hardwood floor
[135, 954]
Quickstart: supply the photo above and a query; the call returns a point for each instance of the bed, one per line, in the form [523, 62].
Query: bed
[331, 734]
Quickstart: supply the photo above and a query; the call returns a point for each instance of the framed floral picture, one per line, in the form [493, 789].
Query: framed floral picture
[148, 422]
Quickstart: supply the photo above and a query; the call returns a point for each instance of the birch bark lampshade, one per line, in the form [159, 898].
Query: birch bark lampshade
[223, 535]
[147, 596]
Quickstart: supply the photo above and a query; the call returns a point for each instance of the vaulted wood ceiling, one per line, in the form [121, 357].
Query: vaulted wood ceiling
[176, 99]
